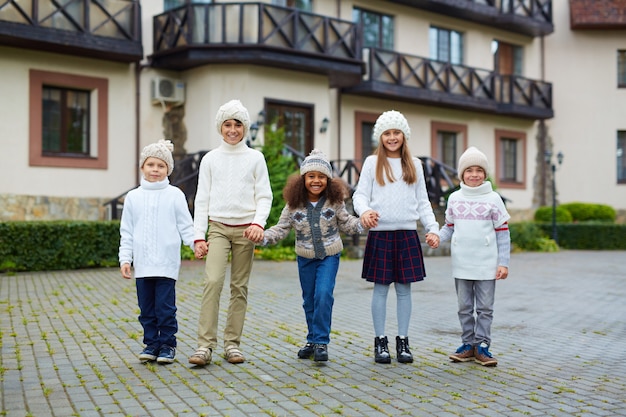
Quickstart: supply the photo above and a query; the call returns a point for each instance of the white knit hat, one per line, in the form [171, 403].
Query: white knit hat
[163, 150]
[472, 157]
[233, 110]
[316, 161]
[391, 120]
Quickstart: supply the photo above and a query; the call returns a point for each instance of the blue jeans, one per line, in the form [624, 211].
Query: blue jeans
[478, 297]
[317, 280]
[157, 306]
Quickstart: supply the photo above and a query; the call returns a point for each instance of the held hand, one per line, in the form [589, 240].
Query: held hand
[200, 249]
[369, 219]
[502, 272]
[125, 270]
[254, 233]
[432, 240]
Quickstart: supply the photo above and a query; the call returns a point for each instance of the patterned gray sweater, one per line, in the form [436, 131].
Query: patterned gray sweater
[317, 228]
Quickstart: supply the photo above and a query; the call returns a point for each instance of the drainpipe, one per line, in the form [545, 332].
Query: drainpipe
[138, 67]
[542, 132]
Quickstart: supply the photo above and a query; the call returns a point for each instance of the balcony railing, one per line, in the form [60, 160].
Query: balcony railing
[105, 29]
[420, 80]
[257, 33]
[528, 17]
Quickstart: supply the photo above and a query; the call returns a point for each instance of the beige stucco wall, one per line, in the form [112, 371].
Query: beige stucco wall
[589, 110]
[14, 119]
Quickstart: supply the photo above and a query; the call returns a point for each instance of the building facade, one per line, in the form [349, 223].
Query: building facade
[90, 86]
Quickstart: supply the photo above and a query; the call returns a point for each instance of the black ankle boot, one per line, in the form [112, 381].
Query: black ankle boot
[402, 348]
[381, 350]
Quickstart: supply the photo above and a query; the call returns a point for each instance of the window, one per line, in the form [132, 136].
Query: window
[447, 142]
[172, 4]
[377, 28]
[68, 120]
[621, 69]
[621, 157]
[65, 122]
[446, 45]
[510, 159]
[296, 119]
[304, 5]
[508, 59]
[364, 144]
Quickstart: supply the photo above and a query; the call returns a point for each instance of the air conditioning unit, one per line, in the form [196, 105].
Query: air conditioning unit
[167, 90]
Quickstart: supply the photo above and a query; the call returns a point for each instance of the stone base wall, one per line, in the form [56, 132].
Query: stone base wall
[29, 208]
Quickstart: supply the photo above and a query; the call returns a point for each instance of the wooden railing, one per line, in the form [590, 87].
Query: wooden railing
[535, 9]
[258, 24]
[439, 77]
[109, 18]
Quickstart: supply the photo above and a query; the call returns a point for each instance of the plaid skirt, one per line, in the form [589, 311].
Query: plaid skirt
[393, 256]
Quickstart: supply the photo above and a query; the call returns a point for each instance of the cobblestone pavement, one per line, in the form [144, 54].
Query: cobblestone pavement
[70, 339]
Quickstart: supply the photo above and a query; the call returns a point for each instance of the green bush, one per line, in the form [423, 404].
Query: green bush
[582, 212]
[280, 167]
[591, 235]
[528, 236]
[544, 214]
[55, 245]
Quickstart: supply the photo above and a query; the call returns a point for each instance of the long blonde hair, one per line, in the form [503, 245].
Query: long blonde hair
[383, 169]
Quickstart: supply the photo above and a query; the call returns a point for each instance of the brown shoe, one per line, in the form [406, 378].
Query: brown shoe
[234, 355]
[201, 357]
[483, 357]
[464, 353]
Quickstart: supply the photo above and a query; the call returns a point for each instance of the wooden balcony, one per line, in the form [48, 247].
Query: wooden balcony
[103, 29]
[419, 80]
[528, 17]
[257, 34]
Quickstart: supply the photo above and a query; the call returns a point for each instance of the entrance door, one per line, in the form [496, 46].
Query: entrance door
[297, 120]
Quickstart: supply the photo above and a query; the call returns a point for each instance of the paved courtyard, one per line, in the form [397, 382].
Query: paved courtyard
[70, 339]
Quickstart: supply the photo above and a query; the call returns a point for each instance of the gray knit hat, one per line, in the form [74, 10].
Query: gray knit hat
[391, 120]
[163, 150]
[316, 161]
[472, 157]
[233, 110]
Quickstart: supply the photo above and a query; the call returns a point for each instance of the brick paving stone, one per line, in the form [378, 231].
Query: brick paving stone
[559, 320]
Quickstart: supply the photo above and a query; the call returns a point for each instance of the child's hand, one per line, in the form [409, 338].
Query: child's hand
[432, 240]
[502, 272]
[369, 219]
[125, 270]
[254, 233]
[200, 249]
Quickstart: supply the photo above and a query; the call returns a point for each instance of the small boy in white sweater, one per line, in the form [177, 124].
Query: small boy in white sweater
[476, 223]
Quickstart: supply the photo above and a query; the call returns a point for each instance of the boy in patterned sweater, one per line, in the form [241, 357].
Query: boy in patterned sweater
[476, 223]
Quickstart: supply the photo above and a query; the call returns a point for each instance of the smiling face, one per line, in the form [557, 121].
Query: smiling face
[154, 169]
[392, 140]
[474, 176]
[315, 183]
[232, 131]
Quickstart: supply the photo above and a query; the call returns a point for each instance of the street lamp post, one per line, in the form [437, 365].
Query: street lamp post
[559, 159]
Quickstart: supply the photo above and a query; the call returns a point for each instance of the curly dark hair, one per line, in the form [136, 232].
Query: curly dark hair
[297, 196]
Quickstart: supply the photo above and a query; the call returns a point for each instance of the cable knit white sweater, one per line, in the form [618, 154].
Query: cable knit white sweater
[154, 221]
[399, 204]
[233, 188]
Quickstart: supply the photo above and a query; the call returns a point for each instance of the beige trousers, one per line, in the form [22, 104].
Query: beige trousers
[223, 241]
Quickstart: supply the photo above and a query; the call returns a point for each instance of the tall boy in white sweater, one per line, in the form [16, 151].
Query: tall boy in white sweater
[234, 196]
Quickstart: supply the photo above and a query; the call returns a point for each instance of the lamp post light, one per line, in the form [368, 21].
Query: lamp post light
[559, 160]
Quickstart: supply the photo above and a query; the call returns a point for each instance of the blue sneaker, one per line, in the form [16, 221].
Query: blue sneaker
[463, 354]
[483, 357]
[149, 353]
[166, 354]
